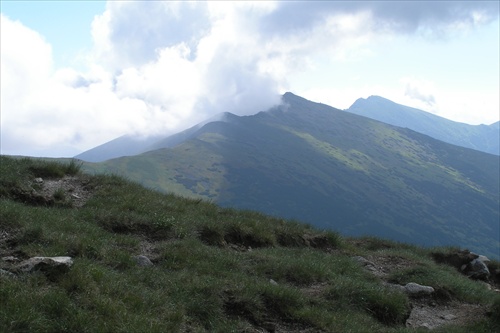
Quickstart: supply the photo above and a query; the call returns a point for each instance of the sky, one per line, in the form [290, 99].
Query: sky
[76, 74]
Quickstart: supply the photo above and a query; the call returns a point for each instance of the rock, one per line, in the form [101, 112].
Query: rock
[10, 259]
[7, 273]
[365, 263]
[448, 317]
[38, 180]
[456, 259]
[143, 261]
[426, 325]
[486, 285]
[274, 283]
[477, 269]
[396, 287]
[413, 288]
[483, 259]
[52, 267]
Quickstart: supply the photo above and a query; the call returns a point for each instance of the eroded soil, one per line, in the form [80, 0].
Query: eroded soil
[73, 188]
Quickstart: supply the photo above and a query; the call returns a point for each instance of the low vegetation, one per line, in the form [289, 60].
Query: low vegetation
[214, 269]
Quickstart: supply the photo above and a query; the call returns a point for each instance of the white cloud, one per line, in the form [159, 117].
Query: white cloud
[420, 90]
[159, 67]
[45, 109]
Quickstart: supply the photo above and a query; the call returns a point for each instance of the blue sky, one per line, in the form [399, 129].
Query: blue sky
[64, 24]
[76, 74]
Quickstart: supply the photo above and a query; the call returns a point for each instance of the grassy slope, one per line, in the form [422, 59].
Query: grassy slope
[204, 277]
[334, 170]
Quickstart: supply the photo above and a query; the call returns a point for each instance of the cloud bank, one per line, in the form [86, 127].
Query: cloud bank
[159, 67]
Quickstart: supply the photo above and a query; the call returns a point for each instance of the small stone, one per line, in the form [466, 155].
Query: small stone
[143, 261]
[486, 285]
[10, 259]
[38, 180]
[7, 273]
[413, 288]
[448, 317]
[363, 261]
[367, 264]
[396, 287]
[274, 283]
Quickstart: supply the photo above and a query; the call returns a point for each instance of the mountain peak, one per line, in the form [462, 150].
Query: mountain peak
[470, 136]
[371, 100]
[289, 97]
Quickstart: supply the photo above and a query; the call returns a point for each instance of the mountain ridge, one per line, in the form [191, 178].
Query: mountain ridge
[479, 137]
[335, 170]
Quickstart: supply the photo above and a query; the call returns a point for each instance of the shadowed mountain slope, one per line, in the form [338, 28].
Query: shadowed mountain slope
[334, 170]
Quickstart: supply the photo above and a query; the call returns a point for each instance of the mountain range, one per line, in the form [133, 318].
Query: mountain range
[484, 138]
[330, 168]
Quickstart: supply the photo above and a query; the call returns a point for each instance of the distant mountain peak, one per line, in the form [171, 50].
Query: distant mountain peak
[483, 138]
[290, 97]
[289, 94]
[372, 100]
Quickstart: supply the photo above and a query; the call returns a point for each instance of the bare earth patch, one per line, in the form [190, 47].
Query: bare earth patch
[74, 187]
[431, 315]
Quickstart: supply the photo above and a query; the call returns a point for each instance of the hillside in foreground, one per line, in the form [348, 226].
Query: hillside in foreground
[144, 261]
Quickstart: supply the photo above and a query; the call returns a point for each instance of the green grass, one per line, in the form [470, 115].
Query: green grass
[212, 266]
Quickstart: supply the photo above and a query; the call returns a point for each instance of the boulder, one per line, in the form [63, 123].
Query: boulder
[143, 261]
[414, 289]
[456, 259]
[52, 267]
[477, 269]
